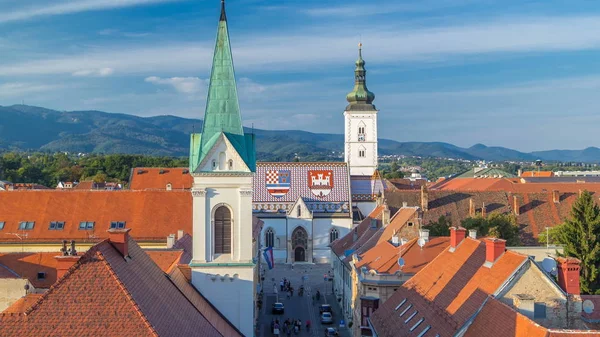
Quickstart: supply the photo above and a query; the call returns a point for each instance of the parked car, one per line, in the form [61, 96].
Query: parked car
[278, 308]
[331, 332]
[326, 318]
[325, 308]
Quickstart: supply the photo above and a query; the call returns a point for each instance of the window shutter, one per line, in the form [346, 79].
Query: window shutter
[222, 231]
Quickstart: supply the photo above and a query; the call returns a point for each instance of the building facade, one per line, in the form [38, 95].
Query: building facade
[222, 163]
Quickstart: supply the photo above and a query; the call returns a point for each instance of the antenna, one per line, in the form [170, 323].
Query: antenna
[421, 242]
[549, 265]
[401, 262]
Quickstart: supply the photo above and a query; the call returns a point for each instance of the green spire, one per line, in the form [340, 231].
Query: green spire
[360, 98]
[222, 114]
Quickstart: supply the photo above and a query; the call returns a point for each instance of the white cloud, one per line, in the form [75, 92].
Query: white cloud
[15, 89]
[101, 72]
[68, 7]
[186, 85]
[294, 51]
[375, 8]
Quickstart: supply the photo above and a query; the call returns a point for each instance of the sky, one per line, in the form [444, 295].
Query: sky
[514, 73]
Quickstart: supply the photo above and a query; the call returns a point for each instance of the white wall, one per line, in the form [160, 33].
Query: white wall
[360, 165]
[322, 227]
[11, 290]
[279, 226]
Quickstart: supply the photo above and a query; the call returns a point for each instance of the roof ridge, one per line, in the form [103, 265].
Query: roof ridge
[10, 270]
[100, 257]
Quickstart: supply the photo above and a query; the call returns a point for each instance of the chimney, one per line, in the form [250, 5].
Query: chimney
[493, 249]
[424, 234]
[457, 234]
[516, 206]
[519, 172]
[483, 210]
[471, 207]
[385, 215]
[556, 196]
[170, 241]
[424, 198]
[180, 234]
[119, 238]
[404, 204]
[395, 239]
[525, 304]
[473, 233]
[65, 261]
[568, 274]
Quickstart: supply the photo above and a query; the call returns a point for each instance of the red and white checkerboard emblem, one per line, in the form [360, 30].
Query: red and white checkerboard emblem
[278, 182]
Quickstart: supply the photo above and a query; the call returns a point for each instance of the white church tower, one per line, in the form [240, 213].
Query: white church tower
[360, 120]
[222, 163]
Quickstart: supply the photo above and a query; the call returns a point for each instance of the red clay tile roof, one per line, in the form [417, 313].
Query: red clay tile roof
[347, 242]
[384, 256]
[537, 174]
[23, 303]
[446, 292]
[104, 294]
[397, 221]
[166, 259]
[152, 215]
[501, 320]
[156, 178]
[407, 184]
[28, 265]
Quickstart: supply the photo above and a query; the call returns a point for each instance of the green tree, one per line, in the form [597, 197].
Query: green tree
[499, 225]
[441, 227]
[579, 236]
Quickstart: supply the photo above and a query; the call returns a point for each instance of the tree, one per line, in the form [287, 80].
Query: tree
[100, 177]
[579, 236]
[503, 226]
[441, 227]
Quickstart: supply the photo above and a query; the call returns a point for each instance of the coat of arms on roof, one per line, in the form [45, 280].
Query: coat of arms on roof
[278, 182]
[320, 182]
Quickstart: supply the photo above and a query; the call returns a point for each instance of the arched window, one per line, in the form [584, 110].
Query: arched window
[362, 151]
[299, 210]
[230, 163]
[333, 235]
[270, 238]
[222, 230]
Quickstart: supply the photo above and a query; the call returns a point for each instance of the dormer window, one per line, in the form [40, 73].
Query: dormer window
[117, 224]
[41, 275]
[57, 225]
[86, 225]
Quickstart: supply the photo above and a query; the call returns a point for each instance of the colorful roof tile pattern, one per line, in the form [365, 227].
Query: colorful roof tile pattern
[324, 187]
[367, 188]
[146, 178]
[446, 293]
[104, 294]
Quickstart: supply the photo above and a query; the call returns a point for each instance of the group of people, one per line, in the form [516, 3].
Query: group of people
[288, 326]
[286, 286]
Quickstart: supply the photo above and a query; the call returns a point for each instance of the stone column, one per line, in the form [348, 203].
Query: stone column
[201, 245]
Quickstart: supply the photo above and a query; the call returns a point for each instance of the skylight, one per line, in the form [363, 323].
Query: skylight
[1, 225]
[417, 324]
[425, 331]
[405, 310]
[411, 316]
[86, 225]
[26, 225]
[57, 225]
[117, 224]
[399, 305]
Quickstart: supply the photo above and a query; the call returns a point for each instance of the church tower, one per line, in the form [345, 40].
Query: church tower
[222, 163]
[360, 119]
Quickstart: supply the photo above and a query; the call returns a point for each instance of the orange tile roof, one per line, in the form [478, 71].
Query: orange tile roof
[152, 215]
[347, 242]
[397, 221]
[157, 178]
[165, 259]
[384, 256]
[23, 303]
[446, 292]
[104, 294]
[28, 265]
[537, 174]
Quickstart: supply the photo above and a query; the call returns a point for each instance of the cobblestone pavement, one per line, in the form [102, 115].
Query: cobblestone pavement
[299, 307]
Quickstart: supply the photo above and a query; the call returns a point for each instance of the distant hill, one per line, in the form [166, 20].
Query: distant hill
[25, 127]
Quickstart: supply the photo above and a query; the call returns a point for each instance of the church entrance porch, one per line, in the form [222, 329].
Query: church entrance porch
[300, 246]
[299, 255]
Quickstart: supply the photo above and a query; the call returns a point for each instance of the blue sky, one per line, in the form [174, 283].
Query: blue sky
[515, 73]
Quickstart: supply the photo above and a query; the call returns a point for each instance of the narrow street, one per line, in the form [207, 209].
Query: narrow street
[300, 307]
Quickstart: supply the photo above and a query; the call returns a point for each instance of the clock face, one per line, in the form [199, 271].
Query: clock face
[361, 138]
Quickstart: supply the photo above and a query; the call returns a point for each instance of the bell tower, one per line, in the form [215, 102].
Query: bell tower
[360, 117]
[222, 163]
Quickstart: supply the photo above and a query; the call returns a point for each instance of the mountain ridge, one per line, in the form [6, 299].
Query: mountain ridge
[31, 128]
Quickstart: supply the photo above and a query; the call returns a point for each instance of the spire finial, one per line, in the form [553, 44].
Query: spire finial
[223, 16]
[360, 50]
